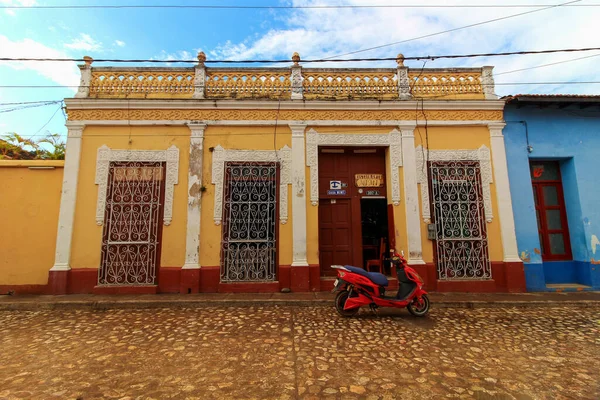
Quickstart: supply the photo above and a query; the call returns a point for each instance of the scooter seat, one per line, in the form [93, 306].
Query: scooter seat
[375, 277]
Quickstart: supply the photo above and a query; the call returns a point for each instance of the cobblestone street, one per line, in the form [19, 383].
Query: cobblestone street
[300, 352]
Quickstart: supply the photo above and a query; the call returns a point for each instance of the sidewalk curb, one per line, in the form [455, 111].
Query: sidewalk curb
[204, 303]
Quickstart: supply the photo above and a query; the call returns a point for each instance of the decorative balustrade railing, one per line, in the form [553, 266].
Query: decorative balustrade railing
[142, 83]
[294, 82]
[350, 83]
[251, 83]
[439, 83]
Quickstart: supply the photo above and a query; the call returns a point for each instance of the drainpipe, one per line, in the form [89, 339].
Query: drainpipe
[529, 147]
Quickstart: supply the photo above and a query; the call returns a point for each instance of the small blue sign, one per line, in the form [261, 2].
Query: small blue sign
[336, 192]
[335, 184]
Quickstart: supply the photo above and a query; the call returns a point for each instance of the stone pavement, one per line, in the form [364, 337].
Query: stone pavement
[438, 300]
[291, 352]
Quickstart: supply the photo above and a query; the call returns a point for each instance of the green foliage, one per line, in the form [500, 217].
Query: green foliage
[15, 147]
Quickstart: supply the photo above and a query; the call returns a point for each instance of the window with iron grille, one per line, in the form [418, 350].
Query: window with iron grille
[250, 204]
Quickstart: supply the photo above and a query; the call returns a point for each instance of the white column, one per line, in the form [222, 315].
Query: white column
[505, 210]
[192, 241]
[413, 222]
[298, 196]
[199, 77]
[68, 198]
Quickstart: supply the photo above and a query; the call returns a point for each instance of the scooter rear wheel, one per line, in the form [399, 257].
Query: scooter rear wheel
[340, 302]
[419, 308]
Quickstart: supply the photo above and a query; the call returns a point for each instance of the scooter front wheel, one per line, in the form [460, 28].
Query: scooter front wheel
[419, 308]
[340, 302]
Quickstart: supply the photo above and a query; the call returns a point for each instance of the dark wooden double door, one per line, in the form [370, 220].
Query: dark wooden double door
[344, 230]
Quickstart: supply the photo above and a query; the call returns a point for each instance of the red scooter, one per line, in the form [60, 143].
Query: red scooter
[360, 288]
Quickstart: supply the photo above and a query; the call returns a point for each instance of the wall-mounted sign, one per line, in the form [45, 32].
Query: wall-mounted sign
[368, 180]
[335, 184]
[336, 192]
[372, 193]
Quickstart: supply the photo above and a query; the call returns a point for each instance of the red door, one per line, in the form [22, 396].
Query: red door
[335, 234]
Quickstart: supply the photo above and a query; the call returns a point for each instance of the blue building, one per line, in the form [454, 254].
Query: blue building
[553, 155]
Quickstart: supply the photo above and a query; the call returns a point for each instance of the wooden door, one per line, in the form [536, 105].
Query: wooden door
[335, 234]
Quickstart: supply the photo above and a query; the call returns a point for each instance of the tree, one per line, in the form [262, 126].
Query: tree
[15, 147]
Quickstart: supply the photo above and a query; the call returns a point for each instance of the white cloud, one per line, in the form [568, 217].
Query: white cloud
[319, 33]
[63, 73]
[84, 42]
[120, 43]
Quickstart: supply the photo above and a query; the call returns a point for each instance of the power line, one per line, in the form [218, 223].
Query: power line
[240, 7]
[321, 60]
[455, 29]
[545, 65]
[51, 118]
[26, 106]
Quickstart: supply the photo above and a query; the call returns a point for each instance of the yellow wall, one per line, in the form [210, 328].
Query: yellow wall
[465, 137]
[29, 203]
[239, 138]
[87, 236]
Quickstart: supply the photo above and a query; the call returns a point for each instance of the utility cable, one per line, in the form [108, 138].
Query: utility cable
[545, 65]
[319, 60]
[455, 29]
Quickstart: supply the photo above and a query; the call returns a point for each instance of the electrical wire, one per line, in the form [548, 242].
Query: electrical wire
[320, 60]
[51, 118]
[230, 7]
[545, 65]
[24, 107]
[455, 29]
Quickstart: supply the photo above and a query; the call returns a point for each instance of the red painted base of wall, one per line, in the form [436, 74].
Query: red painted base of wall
[209, 279]
[125, 289]
[189, 281]
[507, 277]
[82, 280]
[58, 282]
[315, 277]
[300, 278]
[23, 289]
[169, 279]
[285, 277]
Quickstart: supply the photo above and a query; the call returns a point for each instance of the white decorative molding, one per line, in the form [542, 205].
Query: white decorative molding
[403, 84]
[299, 258]
[411, 195]
[199, 82]
[194, 209]
[393, 140]
[84, 81]
[106, 155]
[481, 154]
[487, 81]
[503, 196]
[220, 156]
[247, 104]
[297, 92]
[68, 198]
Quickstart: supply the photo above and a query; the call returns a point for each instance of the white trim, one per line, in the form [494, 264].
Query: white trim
[299, 258]
[314, 140]
[482, 155]
[411, 195]
[505, 209]
[374, 122]
[105, 155]
[194, 209]
[212, 104]
[220, 156]
[68, 198]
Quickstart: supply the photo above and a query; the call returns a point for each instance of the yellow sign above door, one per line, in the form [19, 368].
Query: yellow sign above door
[368, 180]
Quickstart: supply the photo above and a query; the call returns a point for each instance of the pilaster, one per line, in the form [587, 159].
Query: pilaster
[86, 78]
[487, 81]
[403, 82]
[296, 78]
[192, 244]
[199, 77]
[59, 271]
[299, 258]
[505, 210]
[413, 223]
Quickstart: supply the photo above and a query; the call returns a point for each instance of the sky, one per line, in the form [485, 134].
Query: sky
[268, 33]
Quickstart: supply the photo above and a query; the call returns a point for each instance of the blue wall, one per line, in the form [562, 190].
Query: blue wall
[572, 136]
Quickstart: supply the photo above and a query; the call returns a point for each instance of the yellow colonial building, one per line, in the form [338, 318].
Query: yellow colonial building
[207, 179]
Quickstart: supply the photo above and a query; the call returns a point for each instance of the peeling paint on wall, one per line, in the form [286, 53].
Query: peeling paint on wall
[595, 242]
[525, 257]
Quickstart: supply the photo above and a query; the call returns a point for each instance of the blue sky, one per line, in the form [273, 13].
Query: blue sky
[258, 33]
